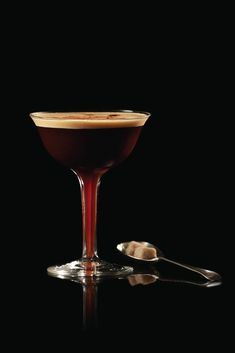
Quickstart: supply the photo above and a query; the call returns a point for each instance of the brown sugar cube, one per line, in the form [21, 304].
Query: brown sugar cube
[143, 252]
[130, 249]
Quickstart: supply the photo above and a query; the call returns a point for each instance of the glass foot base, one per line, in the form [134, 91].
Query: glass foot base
[81, 268]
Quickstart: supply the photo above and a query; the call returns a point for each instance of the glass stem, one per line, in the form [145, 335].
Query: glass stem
[89, 187]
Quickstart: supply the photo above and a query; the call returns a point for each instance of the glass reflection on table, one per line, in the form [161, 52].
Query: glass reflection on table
[145, 276]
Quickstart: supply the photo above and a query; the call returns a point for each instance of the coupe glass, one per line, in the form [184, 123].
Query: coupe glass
[89, 143]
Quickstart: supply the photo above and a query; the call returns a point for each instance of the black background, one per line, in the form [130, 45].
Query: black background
[171, 191]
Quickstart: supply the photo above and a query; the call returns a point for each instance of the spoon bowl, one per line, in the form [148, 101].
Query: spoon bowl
[123, 246]
[208, 274]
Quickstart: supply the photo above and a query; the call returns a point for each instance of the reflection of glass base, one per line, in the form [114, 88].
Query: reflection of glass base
[81, 268]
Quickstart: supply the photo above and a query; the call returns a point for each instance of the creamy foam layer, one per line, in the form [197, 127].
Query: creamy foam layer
[89, 120]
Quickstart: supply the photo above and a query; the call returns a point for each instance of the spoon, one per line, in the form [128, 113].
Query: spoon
[209, 275]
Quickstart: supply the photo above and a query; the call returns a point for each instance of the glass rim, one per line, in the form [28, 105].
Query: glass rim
[52, 114]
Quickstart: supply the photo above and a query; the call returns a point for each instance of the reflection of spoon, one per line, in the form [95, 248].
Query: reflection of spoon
[142, 278]
[210, 275]
[206, 284]
[149, 278]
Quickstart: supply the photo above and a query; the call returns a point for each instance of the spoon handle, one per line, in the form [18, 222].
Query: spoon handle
[210, 275]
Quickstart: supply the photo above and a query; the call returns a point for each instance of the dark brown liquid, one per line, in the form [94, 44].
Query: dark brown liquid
[90, 153]
[89, 150]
